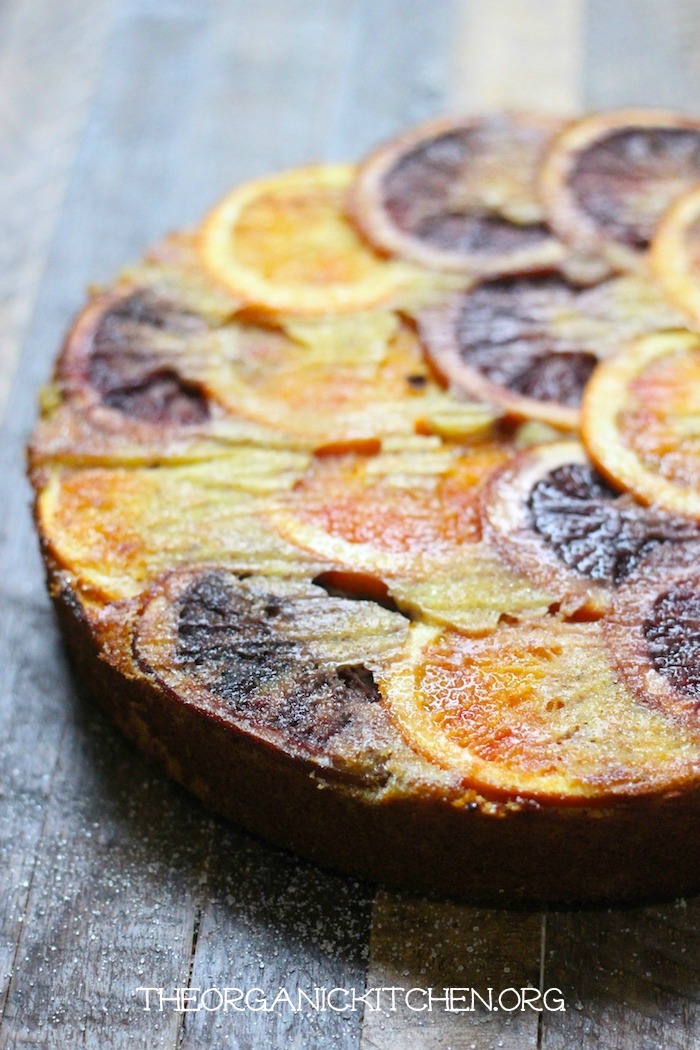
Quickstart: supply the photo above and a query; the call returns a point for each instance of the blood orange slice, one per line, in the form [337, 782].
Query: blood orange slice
[641, 420]
[391, 511]
[410, 519]
[654, 633]
[529, 343]
[460, 195]
[609, 177]
[115, 529]
[340, 381]
[556, 519]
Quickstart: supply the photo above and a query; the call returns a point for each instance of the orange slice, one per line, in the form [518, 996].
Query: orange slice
[129, 352]
[553, 517]
[528, 343]
[641, 420]
[390, 512]
[339, 381]
[533, 710]
[408, 519]
[460, 195]
[609, 177]
[654, 633]
[285, 244]
[115, 529]
[675, 253]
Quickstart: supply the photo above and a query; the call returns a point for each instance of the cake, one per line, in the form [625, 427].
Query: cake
[370, 508]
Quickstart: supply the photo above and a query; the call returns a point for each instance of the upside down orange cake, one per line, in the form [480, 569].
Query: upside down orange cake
[371, 507]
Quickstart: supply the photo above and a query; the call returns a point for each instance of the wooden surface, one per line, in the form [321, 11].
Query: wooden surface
[120, 119]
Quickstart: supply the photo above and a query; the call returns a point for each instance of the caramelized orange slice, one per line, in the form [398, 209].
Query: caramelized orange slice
[129, 352]
[609, 177]
[675, 253]
[553, 517]
[388, 512]
[340, 381]
[641, 420]
[534, 710]
[410, 519]
[654, 633]
[137, 379]
[528, 344]
[115, 529]
[284, 244]
[460, 195]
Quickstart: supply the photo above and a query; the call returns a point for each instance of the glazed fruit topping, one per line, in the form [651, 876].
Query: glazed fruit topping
[460, 195]
[422, 197]
[595, 530]
[530, 343]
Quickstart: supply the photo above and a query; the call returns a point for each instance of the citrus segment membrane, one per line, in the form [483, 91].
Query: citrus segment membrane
[641, 420]
[608, 178]
[533, 710]
[460, 195]
[530, 343]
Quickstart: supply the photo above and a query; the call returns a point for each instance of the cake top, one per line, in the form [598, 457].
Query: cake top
[417, 443]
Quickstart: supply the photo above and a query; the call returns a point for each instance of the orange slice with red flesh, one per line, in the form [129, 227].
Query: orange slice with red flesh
[460, 195]
[137, 380]
[390, 511]
[641, 420]
[555, 518]
[534, 710]
[126, 353]
[675, 253]
[653, 633]
[528, 343]
[279, 660]
[284, 244]
[608, 179]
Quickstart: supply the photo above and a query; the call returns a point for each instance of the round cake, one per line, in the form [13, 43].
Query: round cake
[370, 508]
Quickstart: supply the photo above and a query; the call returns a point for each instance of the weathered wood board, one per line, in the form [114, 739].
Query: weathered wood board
[119, 120]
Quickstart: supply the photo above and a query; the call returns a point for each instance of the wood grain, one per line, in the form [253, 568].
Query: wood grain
[642, 53]
[437, 945]
[518, 54]
[50, 58]
[629, 977]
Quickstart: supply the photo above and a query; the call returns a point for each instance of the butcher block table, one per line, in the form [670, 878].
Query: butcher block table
[120, 120]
